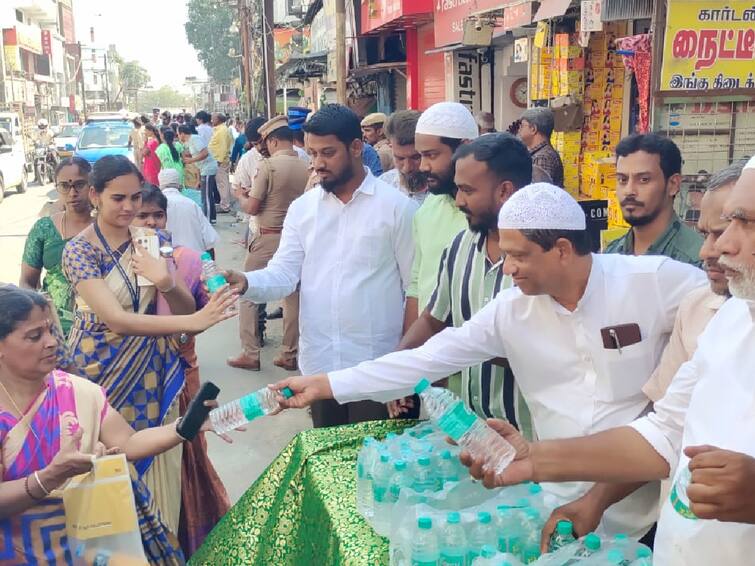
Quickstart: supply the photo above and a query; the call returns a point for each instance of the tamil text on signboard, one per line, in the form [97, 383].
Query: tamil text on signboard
[709, 48]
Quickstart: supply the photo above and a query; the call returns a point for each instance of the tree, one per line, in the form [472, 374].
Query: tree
[131, 77]
[165, 97]
[207, 31]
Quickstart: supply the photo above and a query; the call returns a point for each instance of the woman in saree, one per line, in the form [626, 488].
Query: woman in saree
[48, 236]
[51, 425]
[204, 499]
[116, 340]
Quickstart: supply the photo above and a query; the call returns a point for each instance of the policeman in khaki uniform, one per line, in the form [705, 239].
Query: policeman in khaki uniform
[372, 132]
[280, 179]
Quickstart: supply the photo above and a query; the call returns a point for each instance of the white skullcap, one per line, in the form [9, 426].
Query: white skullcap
[751, 163]
[541, 206]
[168, 178]
[448, 120]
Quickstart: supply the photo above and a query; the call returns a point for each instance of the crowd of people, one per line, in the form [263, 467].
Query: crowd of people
[420, 244]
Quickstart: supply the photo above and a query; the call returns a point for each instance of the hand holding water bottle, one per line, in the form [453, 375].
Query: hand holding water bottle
[518, 471]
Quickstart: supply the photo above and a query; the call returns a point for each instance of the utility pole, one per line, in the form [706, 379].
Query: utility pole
[107, 83]
[246, 55]
[81, 75]
[341, 51]
[268, 40]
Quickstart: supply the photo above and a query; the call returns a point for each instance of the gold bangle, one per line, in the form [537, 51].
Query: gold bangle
[28, 490]
[40, 484]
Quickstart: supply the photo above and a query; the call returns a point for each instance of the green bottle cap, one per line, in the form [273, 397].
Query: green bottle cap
[446, 454]
[425, 523]
[483, 517]
[287, 393]
[453, 518]
[385, 457]
[620, 538]
[564, 527]
[644, 552]
[487, 551]
[399, 465]
[424, 461]
[421, 386]
[592, 542]
[205, 257]
[535, 488]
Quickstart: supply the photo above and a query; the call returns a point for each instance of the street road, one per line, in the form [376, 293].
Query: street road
[240, 463]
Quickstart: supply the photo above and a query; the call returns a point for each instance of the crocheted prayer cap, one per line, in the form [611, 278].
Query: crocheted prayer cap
[448, 120]
[541, 206]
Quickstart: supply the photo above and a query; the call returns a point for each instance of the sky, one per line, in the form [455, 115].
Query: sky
[148, 31]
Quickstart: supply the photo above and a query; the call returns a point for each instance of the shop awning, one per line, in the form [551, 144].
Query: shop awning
[366, 70]
[615, 10]
[304, 66]
[551, 9]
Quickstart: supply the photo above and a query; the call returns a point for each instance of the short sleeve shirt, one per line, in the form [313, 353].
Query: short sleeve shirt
[207, 166]
[279, 181]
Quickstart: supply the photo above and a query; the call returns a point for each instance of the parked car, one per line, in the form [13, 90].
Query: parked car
[12, 164]
[65, 139]
[100, 137]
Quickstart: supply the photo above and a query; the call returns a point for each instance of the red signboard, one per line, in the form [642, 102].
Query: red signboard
[66, 20]
[46, 42]
[377, 13]
[517, 16]
[450, 16]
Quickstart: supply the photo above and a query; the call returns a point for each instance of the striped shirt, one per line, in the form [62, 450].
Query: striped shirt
[467, 281]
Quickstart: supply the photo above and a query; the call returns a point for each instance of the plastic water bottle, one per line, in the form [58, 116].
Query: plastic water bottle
[241, 411]
[424, 478]
[487, 556]
[644, 557]
[425, 544]
[381, 479]
[365, 462]
[468, 430]
[532, 525]
[563, 535]
[509, 529]
[590, 545]
[214, 278]
[453, 542]
[481, 534]
[615, 557]
[399, 481]
[448, 470]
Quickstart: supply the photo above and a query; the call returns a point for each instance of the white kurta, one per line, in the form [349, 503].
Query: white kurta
[572, 384]
[711, 400]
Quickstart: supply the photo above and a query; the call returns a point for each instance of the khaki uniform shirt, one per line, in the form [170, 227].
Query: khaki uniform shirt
[279, 180]
[383, 147]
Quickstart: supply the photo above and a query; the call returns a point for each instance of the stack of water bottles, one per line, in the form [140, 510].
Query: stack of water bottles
[418, 460]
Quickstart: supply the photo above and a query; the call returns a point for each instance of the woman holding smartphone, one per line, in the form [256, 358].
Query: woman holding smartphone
[116, 339]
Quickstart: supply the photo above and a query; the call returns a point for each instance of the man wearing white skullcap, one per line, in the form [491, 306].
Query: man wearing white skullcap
[582, 332]
[701, 434]
[440, 130]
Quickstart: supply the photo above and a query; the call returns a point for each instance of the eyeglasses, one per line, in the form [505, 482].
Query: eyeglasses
[65, 187]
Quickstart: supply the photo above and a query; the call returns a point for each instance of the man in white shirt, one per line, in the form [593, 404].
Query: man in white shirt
[704, 427]
[186, 222]
[348, 242]
[581, 332]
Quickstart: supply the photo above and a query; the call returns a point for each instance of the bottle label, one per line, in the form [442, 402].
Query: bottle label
[215, 282]
[251, 407]
[452, 557]
[679, 499]
[456, 421]
[421, 560]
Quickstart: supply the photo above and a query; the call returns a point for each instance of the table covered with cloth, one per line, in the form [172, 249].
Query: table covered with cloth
[302, 509]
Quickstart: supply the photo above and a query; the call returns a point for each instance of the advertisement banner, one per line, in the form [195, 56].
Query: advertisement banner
[46, 42]
[709, 48]
[467, 79]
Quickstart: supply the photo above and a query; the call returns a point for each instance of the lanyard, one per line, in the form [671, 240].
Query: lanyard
[134, 289]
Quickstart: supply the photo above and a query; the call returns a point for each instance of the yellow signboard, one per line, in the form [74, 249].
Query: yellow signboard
[709, 48]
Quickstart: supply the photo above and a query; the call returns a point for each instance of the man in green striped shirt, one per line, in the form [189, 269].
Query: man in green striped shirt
[470, 274]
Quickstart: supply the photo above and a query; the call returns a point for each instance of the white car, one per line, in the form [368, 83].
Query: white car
[66, 138]
[12, 164]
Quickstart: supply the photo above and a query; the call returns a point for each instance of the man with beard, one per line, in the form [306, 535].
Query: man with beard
[648, 177]
[701, 433]
[348, 242]
[695, 312]
[405, 175]
[488, 171]
[441, 129]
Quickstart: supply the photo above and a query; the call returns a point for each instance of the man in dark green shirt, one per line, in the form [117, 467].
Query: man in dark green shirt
[648, 178]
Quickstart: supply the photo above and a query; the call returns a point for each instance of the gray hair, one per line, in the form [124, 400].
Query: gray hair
[541, 118]
[485, 120]
[726, 176]
[401, 126]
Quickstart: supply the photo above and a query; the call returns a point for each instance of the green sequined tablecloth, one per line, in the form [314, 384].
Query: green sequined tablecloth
[302, 509]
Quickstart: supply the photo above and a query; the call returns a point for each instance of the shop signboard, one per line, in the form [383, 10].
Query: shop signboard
[517, 16]
[46, 42]
[449, 16]
[24, 36]
[467, 79]
[709, 48]
[590, 15]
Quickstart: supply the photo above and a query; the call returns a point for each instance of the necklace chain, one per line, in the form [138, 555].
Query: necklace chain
[20, 413]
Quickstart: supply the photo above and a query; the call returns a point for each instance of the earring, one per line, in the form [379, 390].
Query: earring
[93, 212]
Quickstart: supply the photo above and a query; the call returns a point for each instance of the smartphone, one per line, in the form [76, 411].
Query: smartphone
[147, 238]
[197, 412]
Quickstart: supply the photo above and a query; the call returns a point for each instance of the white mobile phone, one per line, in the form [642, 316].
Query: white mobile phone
[147, 238]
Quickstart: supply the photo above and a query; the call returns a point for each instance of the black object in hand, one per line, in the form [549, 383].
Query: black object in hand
[197, 412]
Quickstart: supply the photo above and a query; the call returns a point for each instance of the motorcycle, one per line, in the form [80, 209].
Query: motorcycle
[45, 162]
